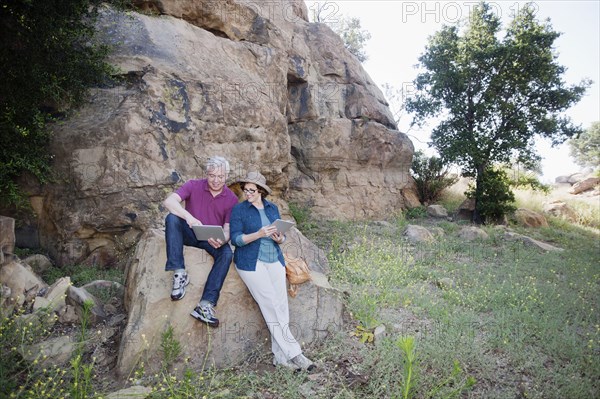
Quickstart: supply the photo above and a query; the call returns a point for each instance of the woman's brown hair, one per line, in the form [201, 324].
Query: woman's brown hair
[261, 190]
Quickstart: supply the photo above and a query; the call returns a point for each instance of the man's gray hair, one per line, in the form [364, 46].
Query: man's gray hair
[217, 162]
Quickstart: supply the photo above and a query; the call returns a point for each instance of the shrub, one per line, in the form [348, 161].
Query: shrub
[431, 177]
[49, 58]
[496, 199]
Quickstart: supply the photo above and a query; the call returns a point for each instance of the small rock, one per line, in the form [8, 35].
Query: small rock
[67, 315]
[446, 283]
[529, 218]
[50, 352]
[437, 211]
[416, 233]
[379, 333]
[77, 296]
[38, 262]
[110, 309]
[472, 233]
[560, 209]
[465, 210]
[509, 235]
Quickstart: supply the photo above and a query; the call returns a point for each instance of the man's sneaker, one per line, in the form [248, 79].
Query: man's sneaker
[206, 314]
[303, 362]
[180, 280]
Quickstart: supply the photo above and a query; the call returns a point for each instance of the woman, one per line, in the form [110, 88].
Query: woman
[259, 262]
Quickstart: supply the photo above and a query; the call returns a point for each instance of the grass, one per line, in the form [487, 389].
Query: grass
[82, 274]
[517, 321]
[37, 378]
[485, 319]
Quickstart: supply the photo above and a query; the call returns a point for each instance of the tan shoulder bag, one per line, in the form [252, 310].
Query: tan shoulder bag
[297, 272]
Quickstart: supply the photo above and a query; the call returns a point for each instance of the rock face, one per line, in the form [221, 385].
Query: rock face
[252, 81]
[315, 310]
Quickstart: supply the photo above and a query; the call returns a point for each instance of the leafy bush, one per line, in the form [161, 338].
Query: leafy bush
[418, 212]
[496, 198]
[49, 58]
[431, 177]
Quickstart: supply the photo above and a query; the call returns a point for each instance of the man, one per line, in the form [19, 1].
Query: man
[207, 201]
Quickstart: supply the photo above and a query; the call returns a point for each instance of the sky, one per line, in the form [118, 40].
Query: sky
[400, 29]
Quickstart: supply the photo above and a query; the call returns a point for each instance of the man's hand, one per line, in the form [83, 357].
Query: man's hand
[192, 221]
[215, 243]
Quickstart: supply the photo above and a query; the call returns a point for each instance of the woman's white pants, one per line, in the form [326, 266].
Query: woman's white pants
[268, 288]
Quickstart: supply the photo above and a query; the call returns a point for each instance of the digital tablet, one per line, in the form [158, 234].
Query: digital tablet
[204, 232]
[283, 225]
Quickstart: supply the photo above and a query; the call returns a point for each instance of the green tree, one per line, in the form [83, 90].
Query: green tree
[585, 148]
[495, 95]
[48, 60]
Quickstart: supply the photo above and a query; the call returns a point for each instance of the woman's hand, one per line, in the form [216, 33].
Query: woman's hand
[278, 237]
[267, 231]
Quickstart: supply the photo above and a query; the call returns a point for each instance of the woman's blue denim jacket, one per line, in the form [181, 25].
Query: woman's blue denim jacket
[245, 219]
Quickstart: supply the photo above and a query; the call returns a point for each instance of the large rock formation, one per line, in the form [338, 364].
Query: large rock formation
[253, 81]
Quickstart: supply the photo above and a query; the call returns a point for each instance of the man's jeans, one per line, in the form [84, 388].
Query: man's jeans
[178, 234]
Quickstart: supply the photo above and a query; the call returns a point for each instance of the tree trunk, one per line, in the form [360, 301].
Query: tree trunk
[477, 216]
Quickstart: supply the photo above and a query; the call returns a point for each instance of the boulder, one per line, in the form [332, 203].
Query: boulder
[24, 284]
[252, 81]
[576, 178]
[437, 211]
[296, 245]
[509, 235]
[472, 233]
[560, 209]
[53, 351]
[416, 234]
[78, 297]
[365, 184]
[529, 218]
[316, 310]
[54, 299]
[465, 210]
[38, 262]
[587, 183]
